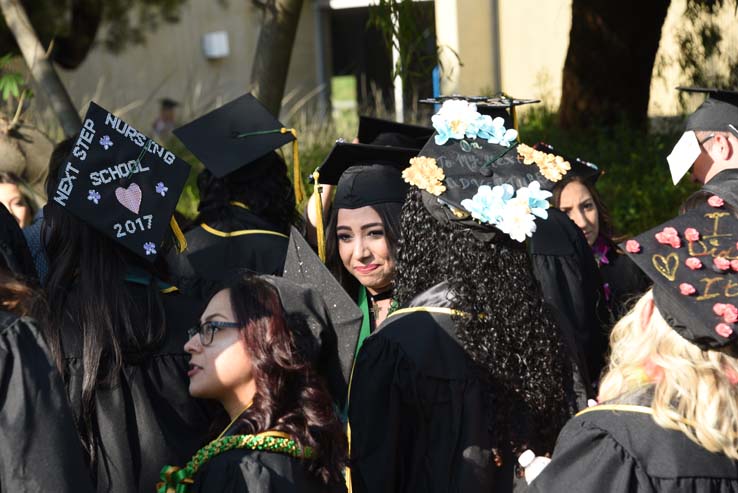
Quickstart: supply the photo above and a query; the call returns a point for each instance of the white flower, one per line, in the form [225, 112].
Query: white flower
[517, 220]
[536, 198]
[455, 117]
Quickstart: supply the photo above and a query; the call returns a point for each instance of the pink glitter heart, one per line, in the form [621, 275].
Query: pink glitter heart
[130, 197]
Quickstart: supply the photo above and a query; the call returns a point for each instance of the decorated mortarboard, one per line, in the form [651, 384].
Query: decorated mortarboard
[389, 133]
[474, 172]
[366, 174]
[719, 112]
[237, 134]
[122, 183]
[502, 105]
[579, 167]
[693, 262]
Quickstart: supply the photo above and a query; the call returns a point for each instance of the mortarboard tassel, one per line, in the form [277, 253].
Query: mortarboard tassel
[181, 240]
[319, 227]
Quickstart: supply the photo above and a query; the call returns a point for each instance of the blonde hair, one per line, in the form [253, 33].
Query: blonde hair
[695, 394]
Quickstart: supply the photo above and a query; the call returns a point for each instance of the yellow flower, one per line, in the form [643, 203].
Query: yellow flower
[425, 174]
[551, 166]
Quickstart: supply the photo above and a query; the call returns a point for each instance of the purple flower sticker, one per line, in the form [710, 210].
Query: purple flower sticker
[150, 248]
[106, 142]
[161, 189]
[93, 196]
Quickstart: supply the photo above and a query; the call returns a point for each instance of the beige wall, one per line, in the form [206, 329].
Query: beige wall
[172, 64]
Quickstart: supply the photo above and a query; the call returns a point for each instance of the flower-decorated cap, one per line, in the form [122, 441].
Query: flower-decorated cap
[579, 167]
[121, 182]
[473, 172]
[234, 135]
[693, 262]
[366, 174]
[389, 133]
[501, 105]
[719, 112]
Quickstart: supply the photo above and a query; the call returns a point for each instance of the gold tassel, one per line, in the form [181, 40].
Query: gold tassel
[296, 173]
[178, 234]
[319, 227]
[347, 469]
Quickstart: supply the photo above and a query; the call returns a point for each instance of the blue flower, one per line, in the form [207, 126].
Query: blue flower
[150, 248]
[93, 196]
[455, 120]
[106, 142]
[537, 199]
[161, 189]
[499, 134]
[488, 204]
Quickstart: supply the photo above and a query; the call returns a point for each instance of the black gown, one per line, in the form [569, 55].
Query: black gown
[147, 418]
[39, 447]
[417, 410]
[255, 471]
[216, 250]
[618, 449]
[625, 282]
[571, 284]
[724, 185]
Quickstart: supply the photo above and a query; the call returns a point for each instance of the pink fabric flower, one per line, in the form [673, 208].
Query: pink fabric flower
[724, 330]
[715, 201]
[632, 246]
[730, 315]
[718, 309]
[734, 265]
[721, 263]
[693, 263]
[691, 234]
[686, 289]
[669, 236]
[731, 375]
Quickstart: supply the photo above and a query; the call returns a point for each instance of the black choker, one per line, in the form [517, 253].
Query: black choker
[381, 296]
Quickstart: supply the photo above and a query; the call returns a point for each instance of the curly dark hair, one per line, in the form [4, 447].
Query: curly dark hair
[290, 397]
[389, 213]
[263, 185]
[511, 335]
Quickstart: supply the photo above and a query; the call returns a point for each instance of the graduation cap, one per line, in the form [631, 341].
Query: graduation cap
[389, 133]
[691, 260]
[579, 167]
[302, 266]
[122, 183]
[501, 105]
[719, 112]
[469, 156]
[237, 134]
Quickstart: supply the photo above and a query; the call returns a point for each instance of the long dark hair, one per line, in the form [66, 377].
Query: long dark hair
[263, 186]
[607, 231]
[389, 213]
[109, 320]
[510, 334]
[290, 396]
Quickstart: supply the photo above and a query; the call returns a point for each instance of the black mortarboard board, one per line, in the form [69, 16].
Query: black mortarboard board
[121, 182]
[579, 167]
[218, 138]
[303, 267]
[498, 106]
[366, 174]
[386, 132]
[719, 112]
[168, 103]
[694, 316]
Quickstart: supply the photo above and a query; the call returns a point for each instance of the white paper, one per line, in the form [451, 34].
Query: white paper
[683, 156]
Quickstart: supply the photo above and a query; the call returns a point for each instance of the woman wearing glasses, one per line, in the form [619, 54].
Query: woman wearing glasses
[253, 353]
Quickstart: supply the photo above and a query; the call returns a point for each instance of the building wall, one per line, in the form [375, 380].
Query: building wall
[171, 64]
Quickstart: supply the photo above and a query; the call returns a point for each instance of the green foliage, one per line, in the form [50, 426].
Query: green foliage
[636, 186]
[11, 83]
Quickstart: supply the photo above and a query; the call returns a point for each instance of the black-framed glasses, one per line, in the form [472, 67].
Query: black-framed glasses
[207, 330]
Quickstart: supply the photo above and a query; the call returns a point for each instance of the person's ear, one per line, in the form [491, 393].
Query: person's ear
[647, 312]
[722, 147]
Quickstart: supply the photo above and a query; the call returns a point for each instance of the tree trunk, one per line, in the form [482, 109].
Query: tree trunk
[41, 68]
[607, 73]
[273, 51]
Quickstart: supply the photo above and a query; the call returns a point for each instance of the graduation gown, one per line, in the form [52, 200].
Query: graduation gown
[417, 412]
[145, 419]
[725, 185]
[624, 280]
[40, 450]
[618, 447]
[218, 249]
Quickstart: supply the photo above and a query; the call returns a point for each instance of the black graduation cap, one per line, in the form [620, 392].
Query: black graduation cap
[121, 182]
[234, 135]
[389, 133]
[302, 266]
[366, 174]
[690, 259]
[500, 105]
[579, 167]
[718, 112]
